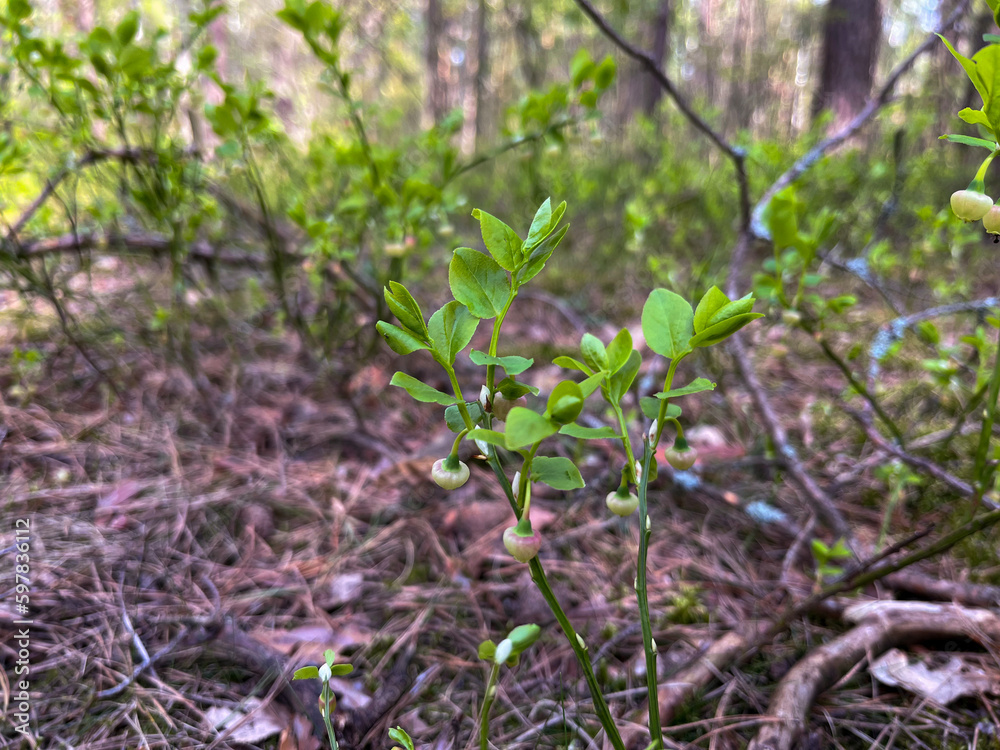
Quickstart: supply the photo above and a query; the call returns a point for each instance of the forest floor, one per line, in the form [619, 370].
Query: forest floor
[214, 525]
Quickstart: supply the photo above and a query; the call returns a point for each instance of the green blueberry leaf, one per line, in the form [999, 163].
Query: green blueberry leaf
[400, 341]
[478, 282]
[975, 117]
[512, 364]
[540, 225]
[581, 67]
[591, 384]
[400, 735]
[405, 308]
[572, 364]
[622, 380]
[696, 386]
[731, 310]
[515, 389]
[968, 140]
[781, 218]
[619, 350]
[605, 74]
[651, 408]
[723, 330]
[970, 69]
[421, 391]
[451, 329]
[488, 436]
[987, 62]
[453, 417]
[535, 261]
[526, 427]
[306, 673]
[712, 301]
[558, 472]
[487, 650]
[580, 432]
[565, 402]
[339, 670]
[501, 241]
[126, 30]
[667, 323]
[593, 352]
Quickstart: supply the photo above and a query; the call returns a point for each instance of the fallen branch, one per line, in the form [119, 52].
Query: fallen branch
[880, 626]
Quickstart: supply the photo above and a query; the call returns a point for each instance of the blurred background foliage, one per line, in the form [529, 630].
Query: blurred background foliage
[298, 156]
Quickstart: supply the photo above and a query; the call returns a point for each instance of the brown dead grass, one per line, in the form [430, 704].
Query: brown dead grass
[292, 500]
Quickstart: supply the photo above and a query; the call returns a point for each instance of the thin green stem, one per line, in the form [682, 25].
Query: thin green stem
[326, 716]
[575, 642]
[661, 417]
[495, 338]
[484, 715]
[457, 389]
[641, 594]
[626, 443]
[582, 655]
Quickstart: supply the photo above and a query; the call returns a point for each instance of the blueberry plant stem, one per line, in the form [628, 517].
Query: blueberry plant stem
[641, 594]
[575, 642]
[484, 715]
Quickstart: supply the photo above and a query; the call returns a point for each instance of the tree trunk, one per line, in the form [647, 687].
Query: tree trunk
[851, 32]
[436, 93]
[652, 92]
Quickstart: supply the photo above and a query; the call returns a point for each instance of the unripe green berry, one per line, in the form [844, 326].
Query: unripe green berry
[502, 406]
[681, 459]
[450, 479]
[970, 205]
[622, 502]
[522, 548]
[992, 220]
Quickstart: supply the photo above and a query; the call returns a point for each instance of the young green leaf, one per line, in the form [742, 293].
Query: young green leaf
[591, 384]
[565, 402]
[696, 386]
[712, 301]
[513, 389]
[453, 417]
[572, 364]
[970, 68]
[540, 225]
[731, 310]
[667, 323]
[400, 735]
[593, 352]
[651, 408]
[619, 350]
[405, 308]
[512, 364]
[525, 427]
[968, 140]
[487, 650]
[622, 380]
[558, 472]
[478, 282]
[488, 436]
[400, 341]
[306, 673]
[580, 432]
[451, 329]
[535, 261]
[421, 391]
[501, 241]
[721, 331]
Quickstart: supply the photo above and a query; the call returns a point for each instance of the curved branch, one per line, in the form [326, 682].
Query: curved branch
[881, 626]
[735, 153]
[874, 104]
